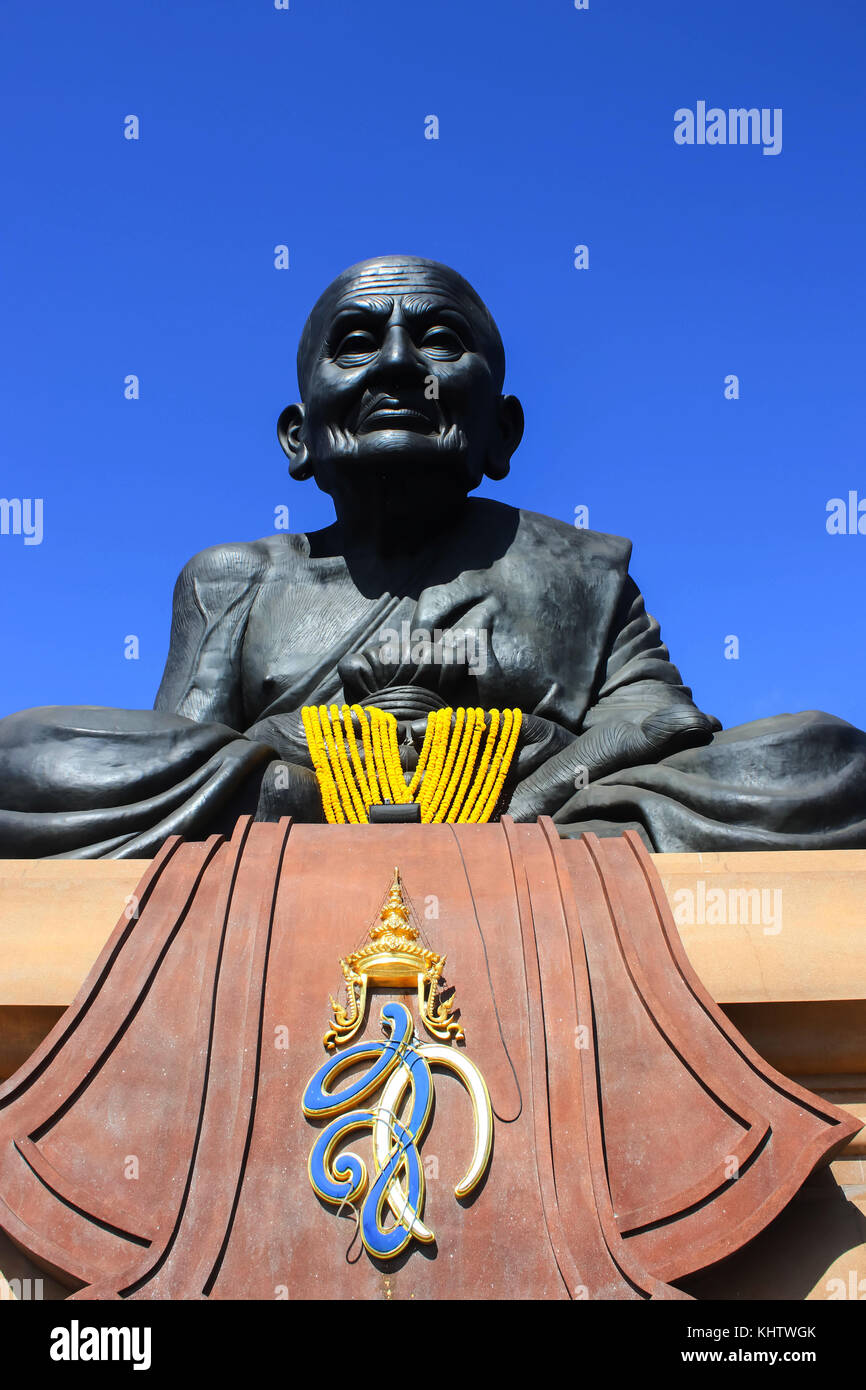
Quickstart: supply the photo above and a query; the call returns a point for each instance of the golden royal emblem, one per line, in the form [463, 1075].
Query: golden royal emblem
[395, 957]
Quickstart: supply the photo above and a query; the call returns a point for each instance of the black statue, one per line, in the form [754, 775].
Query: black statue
[416, 597]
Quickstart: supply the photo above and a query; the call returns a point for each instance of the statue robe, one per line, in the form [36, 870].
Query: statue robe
[259, 630]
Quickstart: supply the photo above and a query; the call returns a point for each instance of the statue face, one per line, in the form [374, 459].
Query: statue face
[401, 372]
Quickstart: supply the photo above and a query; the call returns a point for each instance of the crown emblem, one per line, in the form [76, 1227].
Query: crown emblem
[395, 956]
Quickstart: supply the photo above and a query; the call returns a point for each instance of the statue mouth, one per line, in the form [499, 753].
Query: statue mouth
[387, 413]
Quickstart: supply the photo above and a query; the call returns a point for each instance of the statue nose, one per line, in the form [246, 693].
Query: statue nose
[398, 351]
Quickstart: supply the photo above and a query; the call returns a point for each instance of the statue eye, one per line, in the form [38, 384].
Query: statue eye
[355, 347]
[442, 342]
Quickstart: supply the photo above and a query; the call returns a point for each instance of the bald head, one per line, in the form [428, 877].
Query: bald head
[401, 369]
[422, 285]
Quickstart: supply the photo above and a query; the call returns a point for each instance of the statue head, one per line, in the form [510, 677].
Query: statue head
[401, 368]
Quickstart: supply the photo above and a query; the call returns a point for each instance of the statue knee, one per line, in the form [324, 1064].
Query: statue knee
[287, 789]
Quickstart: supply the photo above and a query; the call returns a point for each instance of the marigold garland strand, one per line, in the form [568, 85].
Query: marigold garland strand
[321, 766]
[422, 758]
[343, 791]
[360, 775]
[471, 759]
[454, 780]
[369, 760]
[355, 805]
[468, 812]
[510, 733]
[453, 741]
[442, 722]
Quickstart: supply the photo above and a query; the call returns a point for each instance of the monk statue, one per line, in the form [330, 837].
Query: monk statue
[418, 599]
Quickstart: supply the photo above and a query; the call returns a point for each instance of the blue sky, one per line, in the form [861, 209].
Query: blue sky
[306, 127]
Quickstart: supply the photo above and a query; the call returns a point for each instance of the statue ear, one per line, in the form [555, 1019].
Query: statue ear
[508, 436]
[290, 434]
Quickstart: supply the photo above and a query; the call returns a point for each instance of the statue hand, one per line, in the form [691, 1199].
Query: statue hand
[539, 740]
[443, 649]
[287, 789]
[423, 665]
[361, 675]
[604, 749]
[285, 734]
[675, 728]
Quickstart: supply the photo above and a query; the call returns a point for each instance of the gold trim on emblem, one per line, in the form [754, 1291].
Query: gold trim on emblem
[395, 956]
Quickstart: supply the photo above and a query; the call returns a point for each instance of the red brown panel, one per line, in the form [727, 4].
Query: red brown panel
[621, 1094]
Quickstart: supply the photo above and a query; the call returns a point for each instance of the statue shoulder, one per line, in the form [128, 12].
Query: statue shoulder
[232, 562]
[577, 544]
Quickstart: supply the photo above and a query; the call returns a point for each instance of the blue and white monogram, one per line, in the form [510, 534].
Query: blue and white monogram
[392, 1205]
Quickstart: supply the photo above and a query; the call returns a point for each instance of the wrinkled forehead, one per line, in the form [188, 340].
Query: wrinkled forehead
[408, 278]
[414, 281]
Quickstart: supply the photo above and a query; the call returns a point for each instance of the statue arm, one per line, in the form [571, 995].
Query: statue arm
[638, 679]
[641, 713]
[212, 601]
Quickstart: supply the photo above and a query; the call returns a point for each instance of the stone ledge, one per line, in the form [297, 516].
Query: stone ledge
[55, 916]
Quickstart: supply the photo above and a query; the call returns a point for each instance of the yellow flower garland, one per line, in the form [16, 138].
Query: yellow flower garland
[471, 759]
[452, 742]
[422, 757]
[369, 760]
[318, 754]
[443, 783]
[467, 813]
[457, 771]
